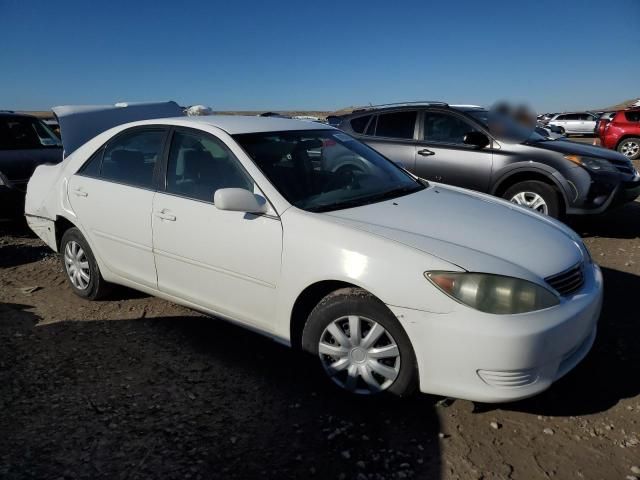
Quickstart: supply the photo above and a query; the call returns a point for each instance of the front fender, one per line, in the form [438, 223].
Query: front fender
[548, 172]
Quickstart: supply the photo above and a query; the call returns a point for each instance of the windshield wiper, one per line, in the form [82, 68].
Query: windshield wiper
[358, 202]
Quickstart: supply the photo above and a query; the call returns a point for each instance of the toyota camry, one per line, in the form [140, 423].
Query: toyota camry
[393, 283]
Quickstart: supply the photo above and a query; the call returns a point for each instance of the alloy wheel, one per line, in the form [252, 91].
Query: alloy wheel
[531, 200]
[77, 265]
[630, 148]
[359, 355]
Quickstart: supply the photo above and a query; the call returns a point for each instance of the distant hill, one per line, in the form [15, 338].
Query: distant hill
[620, 106]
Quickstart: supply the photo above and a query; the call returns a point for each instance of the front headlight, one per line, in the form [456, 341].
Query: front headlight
[590, 163]
[493, 293]
[2, 182]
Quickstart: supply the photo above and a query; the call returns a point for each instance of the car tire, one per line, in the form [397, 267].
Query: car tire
[630, 148]
[379, 355]
[538, 196]
[80, 266]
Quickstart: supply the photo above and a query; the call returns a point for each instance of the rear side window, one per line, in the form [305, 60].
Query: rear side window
[360, 123]
[396, 125]
[131, 158]
[632, 116]
[200, 164]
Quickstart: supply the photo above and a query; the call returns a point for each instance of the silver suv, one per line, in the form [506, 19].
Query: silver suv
[581, 123]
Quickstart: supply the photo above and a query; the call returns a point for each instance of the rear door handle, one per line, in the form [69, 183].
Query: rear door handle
[80, 193]
[164, 215]
[425, 152]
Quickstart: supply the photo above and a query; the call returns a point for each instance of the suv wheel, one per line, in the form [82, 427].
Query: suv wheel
[81, 267]
[630, 148]
[538, 196]
[361, 346]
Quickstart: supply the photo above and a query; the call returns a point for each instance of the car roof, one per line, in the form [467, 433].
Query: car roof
[238, 124]
[412, 106]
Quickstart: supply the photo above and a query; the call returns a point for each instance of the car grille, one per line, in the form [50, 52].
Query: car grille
[508, 379]
[567, 282]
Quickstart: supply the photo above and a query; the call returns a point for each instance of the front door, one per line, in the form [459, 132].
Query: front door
[227, 262]
[112, 196]
[442, 156]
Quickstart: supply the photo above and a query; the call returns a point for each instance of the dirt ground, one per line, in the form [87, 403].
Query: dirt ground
[136, 387]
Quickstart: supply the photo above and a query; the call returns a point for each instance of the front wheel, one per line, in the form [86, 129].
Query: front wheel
[360, 344]
[538, 196]
[81, 267]
[630, 148]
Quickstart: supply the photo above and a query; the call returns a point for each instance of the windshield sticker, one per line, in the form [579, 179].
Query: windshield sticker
[342, 137]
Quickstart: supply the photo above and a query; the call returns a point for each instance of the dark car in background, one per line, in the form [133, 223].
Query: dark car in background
[454, 145]
[25, 143]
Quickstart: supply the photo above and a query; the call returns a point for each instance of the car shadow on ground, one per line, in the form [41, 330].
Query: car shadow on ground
[611, 371]
[621, 222]
[175, 396]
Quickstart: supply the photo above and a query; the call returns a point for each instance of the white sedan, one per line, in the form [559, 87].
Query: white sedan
[393, 283]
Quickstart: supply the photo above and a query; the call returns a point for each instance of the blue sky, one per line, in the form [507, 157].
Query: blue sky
[557, 55]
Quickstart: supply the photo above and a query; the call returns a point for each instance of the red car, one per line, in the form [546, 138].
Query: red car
[622, 133]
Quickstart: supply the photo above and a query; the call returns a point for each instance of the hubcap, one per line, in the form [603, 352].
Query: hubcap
[630, 148]
[531, 200]
[359, 354]
[77, 265]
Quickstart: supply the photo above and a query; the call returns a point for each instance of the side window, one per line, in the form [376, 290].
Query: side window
[633, 116]
[91, 167]
[445, 128]
[561, 117]
[572, 116]
[131, 158]
[199, 165]
[360, 123]
[396, 125]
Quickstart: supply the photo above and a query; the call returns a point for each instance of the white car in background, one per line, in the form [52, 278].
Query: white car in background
[391, 282]
[581, 123]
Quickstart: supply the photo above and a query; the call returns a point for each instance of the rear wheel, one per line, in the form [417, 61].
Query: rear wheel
[630, 148]
[81, 267]
[536, 195]
[361, 346]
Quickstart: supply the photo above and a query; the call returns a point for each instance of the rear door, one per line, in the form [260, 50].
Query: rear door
[394, 134]
[588, 123]
[112, 196]
[442, 155]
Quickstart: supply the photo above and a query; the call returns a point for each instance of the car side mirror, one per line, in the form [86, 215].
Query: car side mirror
[239, 200]
[476, 139]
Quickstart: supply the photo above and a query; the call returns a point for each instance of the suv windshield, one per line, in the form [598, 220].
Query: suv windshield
[324, 170]
[505, 127]
[25, 133]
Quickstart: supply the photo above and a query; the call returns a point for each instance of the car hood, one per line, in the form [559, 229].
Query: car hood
[473, 231]
[574, 148]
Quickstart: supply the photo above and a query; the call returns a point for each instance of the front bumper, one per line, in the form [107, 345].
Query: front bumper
[499, 358]
[623, 192]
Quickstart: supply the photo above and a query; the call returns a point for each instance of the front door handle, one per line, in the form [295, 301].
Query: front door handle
[80, 193]
[164, 215]
[425, 152]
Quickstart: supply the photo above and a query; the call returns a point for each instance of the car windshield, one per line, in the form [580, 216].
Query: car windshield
[324, 170]
[25, 133]
[506, 128]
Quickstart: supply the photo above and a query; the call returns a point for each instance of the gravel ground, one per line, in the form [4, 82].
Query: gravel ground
[136, 387]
